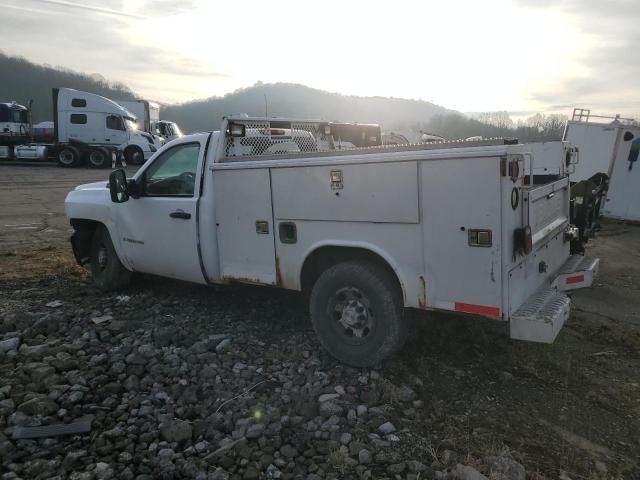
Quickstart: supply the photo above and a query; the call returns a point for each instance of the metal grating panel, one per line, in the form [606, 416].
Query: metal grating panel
[268, 137]
[546, 305]
[541, 317]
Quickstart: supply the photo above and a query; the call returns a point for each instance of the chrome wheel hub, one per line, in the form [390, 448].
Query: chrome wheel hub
[353, 313]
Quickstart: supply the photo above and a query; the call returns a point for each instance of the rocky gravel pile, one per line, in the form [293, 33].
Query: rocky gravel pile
[177, 384]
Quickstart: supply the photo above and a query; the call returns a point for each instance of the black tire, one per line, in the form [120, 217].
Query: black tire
[108, 273]
[356, 310]
[134, 155]
[98, 158]
[68, 157]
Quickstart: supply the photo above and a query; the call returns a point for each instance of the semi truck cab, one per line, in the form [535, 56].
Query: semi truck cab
[87, 122]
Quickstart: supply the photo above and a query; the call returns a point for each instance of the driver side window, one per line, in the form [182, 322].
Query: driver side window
[173, 173]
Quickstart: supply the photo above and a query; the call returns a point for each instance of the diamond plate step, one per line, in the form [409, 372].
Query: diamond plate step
[577, 272]
[541, 317]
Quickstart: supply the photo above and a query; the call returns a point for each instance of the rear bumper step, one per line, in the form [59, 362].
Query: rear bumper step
[577, 272]
[541, 317]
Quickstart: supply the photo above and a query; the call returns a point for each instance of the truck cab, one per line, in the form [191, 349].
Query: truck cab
[369, 232]
[87, 124]
[166, 130]
[14, 124]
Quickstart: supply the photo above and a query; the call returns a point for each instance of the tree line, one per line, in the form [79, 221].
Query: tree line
[23, 81]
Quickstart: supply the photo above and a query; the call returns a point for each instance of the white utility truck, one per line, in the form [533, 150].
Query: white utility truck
[608, 146]
[369, 232]
[86, 128]
[166, 129]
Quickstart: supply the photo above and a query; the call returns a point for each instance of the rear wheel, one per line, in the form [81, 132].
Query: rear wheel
[68, 157]
[106, 268]
[356, 311]
[97, 158]
[134, 155]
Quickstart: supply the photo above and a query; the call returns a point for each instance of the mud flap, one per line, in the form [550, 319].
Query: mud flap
[80, 254]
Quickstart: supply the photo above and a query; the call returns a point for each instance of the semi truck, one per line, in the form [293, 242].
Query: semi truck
[370, 233]
[87, 128]
[14, 123]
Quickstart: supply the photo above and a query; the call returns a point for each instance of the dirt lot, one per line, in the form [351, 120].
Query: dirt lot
[184, 381]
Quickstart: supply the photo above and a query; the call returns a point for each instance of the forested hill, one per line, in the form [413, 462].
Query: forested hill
[294, 100]
[21, 80]
[394, 114]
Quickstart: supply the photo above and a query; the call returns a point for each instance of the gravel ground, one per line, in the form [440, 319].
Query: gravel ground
[183, 381]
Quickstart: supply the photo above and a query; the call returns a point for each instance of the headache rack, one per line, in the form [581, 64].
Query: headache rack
[585, 115]
[266, 138]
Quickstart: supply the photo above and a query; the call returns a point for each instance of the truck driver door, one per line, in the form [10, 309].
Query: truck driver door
[159, 229]
[114, 132]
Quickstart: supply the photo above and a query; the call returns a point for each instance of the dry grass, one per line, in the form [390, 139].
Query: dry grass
[338, 460]
[53, 260]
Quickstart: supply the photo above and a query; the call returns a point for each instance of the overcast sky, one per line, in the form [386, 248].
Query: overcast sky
[517, 55]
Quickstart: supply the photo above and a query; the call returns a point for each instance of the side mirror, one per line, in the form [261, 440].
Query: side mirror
[118, 186]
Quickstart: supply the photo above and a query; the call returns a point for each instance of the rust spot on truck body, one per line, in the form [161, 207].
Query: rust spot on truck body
[256, 281]
[278, 274]
[422, 299]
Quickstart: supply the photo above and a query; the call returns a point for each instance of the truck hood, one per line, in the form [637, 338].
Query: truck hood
[93, 186]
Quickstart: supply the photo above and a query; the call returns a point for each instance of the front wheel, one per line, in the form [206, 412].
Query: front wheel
[356, 311]
[134, 155]
[106, 268]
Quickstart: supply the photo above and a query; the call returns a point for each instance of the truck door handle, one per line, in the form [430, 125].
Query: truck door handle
[180, 214]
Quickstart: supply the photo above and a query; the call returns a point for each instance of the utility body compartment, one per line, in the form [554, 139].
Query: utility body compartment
[442, 216]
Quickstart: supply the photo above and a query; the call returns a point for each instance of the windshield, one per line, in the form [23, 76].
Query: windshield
[176, 130]
[131, 125]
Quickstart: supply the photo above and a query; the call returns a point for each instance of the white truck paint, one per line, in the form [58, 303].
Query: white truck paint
[609, 145]
[453, 229]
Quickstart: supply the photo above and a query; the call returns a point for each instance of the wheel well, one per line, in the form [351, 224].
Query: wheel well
[84, 230]
[324, 257]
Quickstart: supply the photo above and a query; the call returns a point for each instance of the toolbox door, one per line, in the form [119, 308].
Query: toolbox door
[244, 222]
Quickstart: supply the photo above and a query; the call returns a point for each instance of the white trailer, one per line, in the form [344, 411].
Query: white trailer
[609, 146]
[146, 112]
[369, 232]
[148, 115]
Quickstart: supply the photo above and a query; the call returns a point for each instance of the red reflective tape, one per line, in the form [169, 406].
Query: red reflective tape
[477, 309]
[575, 279]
